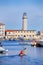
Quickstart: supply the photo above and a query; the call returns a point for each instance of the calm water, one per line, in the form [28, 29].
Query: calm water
[34, 55]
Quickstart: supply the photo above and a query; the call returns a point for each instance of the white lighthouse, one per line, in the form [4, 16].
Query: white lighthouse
[24, 23]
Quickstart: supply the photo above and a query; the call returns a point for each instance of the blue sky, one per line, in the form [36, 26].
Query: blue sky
[11, 12]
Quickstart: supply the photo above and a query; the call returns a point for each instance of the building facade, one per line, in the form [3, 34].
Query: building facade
[41, 34]
[18, 34]
[9, 34]
[2, 30]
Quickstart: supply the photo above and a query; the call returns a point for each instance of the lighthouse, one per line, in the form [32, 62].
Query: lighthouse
[24, 22]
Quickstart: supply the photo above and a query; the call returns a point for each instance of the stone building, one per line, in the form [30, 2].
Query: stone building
[20, 34]
[9, 34]
[41, 34]
[2, 30]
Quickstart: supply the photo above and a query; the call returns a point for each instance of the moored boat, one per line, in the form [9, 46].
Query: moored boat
[2, 50]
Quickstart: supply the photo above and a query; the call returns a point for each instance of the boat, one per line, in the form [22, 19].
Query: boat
[38, 43]
[41, 40]
[21, 54]
[2, 50]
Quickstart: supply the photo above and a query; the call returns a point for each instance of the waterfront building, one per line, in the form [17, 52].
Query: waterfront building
[41, 34]
[2, 30]
[24, 33]
[37, 37]
[20, 34]
[9, 34]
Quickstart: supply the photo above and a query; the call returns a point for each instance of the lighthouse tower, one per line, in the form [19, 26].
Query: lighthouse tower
[24, 23]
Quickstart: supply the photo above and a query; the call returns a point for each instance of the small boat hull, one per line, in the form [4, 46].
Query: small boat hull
[20, 54]
[2, 50]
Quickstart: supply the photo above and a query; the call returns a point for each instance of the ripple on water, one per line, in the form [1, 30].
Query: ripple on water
[34, 55]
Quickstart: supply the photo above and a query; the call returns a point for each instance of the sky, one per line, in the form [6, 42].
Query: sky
[11, 12]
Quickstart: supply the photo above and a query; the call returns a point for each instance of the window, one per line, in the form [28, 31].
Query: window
[21, 31]
[29, 35]
[33, 35]
[24, 35]
[18, 31]
[30, 31]
[27, 31]
[15, 35]
[21, 35]
[18, 35]
[9, 32]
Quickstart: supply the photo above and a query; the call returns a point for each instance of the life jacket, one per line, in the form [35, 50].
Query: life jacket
[21, 52]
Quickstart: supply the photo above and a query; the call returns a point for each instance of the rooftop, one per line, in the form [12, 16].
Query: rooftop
[24, 14]
[9, 30]
[18, 30]
[1, 23]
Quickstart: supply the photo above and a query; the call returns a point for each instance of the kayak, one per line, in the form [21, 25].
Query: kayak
[21, 55]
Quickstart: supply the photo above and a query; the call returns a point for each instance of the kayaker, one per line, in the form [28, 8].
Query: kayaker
[22, 52]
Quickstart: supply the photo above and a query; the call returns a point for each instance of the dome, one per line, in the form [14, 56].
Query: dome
[24, 14]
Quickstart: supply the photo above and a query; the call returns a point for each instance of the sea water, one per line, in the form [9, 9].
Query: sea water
[34, 55]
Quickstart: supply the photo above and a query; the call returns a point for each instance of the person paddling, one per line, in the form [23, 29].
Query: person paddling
[22, 52]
